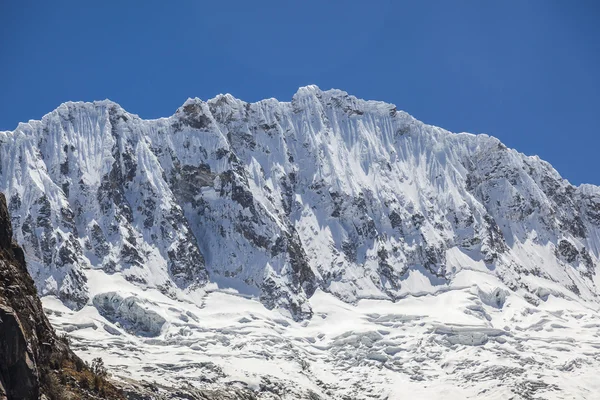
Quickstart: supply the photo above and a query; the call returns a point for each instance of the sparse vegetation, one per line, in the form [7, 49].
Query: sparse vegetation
[100, 373]
[76, 379]
[98, 368]
[55, 389]
[64, 337]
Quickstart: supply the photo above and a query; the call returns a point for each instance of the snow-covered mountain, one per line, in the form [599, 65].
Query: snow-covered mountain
[326, 199]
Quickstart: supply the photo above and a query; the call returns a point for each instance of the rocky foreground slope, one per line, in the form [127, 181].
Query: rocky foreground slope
[152, 240]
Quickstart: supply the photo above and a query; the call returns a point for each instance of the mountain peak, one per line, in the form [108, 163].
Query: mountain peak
[308, 90]
[296, 205]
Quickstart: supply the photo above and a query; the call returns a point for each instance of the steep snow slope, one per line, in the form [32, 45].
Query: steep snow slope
[278, 201]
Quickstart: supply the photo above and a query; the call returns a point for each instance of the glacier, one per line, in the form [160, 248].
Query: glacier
[328, 246]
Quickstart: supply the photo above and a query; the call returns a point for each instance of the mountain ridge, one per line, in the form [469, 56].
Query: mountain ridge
[247, 157]
[110, 102]
[322, 248]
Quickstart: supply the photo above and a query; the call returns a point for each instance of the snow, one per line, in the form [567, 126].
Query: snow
[327, 245]
[428, 346]
[127, 312]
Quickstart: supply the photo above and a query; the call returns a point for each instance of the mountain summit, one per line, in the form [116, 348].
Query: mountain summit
[276, 199]
[360, 248]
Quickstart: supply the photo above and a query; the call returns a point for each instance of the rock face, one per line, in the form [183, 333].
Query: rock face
[276, 199]
[19, 374]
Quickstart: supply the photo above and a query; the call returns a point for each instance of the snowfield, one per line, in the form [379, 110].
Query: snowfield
[323, 248]
[452, 344]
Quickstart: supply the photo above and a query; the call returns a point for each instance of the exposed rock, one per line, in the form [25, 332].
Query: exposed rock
[18, 371]
[567, 251]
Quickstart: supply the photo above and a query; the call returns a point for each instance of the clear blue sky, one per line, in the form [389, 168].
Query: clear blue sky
[525, 71]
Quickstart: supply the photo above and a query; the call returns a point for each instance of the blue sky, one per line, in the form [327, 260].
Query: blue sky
[527, 72]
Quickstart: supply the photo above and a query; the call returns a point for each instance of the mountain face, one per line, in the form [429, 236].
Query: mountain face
[276, 199]
[323, 248]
